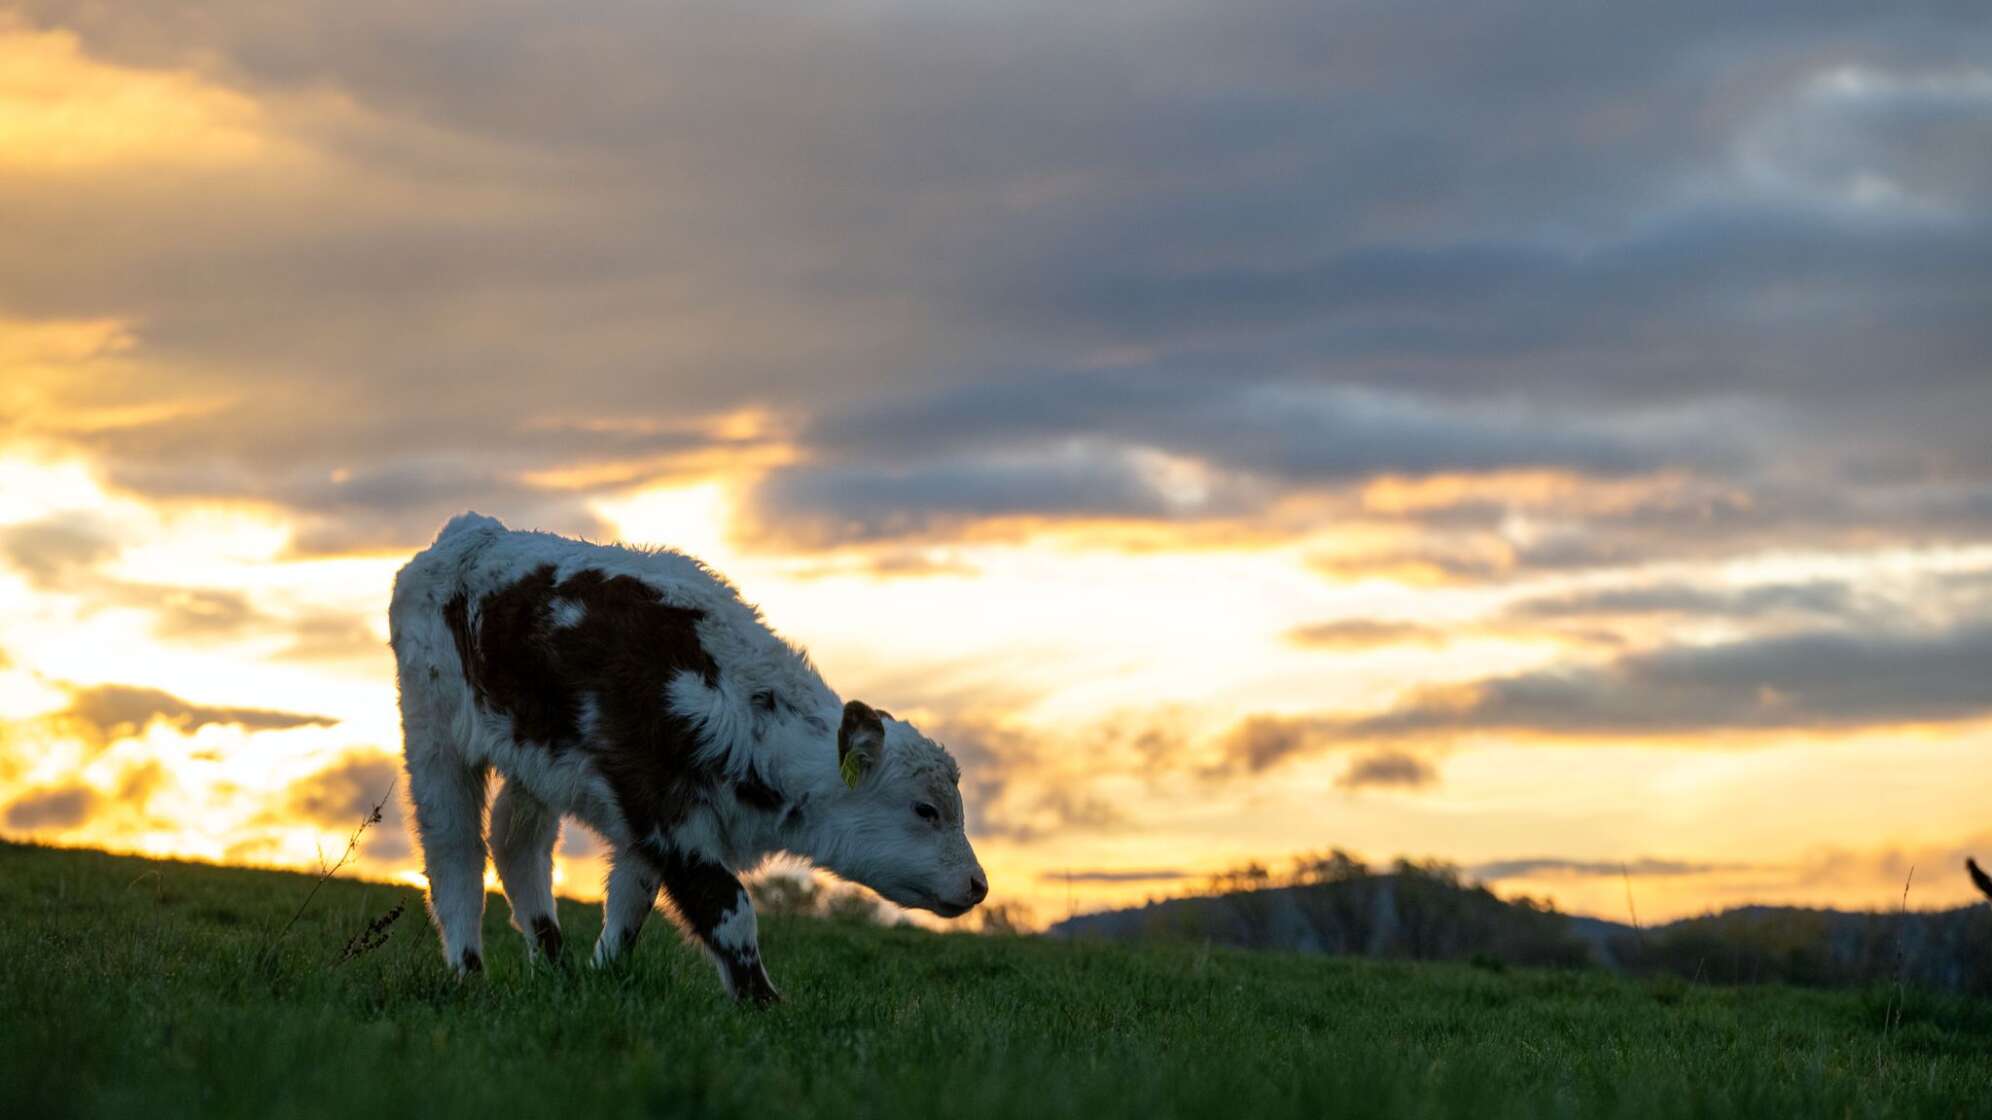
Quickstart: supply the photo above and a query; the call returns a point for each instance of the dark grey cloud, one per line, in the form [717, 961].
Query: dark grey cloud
[1474, 539]
[1818, 680]
[1296, 250]
[383, 505]
[1816, 599]
[103, 713]
[1293, 432]
[827, 505]
[1070, 446]
[64, 807]
[1643, 866]
[1812, 680]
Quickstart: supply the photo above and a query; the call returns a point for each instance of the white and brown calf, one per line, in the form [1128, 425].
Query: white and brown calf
[637, 693]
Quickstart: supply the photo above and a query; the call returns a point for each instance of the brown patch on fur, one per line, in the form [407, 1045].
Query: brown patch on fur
[546, 934]
[622, 653]
[456, 615]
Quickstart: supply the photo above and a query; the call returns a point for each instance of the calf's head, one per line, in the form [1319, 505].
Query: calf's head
[902, 816]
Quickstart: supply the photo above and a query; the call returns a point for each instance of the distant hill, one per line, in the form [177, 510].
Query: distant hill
[1423, 913]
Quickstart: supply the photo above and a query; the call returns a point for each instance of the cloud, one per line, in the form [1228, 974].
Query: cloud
[1814, 680]
[1809, 680]
[332, 637]
[55, 552]
[65, 553]
[824, 505]
[1015, 786]
[1098, 445]
[1258, 743]
[52, 809]
[1816, 599]
[1643, 866]
[383, 506]
[340, 796]
[206, 614]
[1364, 633]
[1285, 431]
[1889, 869]
[1099, 875]
[1388, 768]
[138, 783]
[196, 613]
[103, 713]
[1305, 256]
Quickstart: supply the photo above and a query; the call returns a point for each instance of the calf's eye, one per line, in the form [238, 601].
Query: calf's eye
[927, 812]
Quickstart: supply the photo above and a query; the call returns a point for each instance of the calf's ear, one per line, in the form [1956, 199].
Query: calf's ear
[860, 742]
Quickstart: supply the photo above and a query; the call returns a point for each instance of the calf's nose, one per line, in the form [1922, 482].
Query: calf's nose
[978, 889]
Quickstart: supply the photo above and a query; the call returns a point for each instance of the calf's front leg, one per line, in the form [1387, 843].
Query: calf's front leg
[716, 908]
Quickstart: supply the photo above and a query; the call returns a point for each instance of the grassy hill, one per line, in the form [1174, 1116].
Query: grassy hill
[137, 987]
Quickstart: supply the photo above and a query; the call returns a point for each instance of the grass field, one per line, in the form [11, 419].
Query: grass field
[135, 987]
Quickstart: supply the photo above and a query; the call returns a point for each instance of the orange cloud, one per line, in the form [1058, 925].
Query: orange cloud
[62, 112]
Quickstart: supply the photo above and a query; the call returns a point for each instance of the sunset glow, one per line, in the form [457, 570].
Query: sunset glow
[1604, 507]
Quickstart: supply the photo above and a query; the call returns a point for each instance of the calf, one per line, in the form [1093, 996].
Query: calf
[636, 692]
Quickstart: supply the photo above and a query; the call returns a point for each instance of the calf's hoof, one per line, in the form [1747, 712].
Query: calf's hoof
[546, 936]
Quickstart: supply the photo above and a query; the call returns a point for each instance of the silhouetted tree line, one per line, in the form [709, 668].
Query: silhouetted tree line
[1332, 902]
[1946, 950]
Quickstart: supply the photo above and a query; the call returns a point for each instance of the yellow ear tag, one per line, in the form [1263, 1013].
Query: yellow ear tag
[852, 768]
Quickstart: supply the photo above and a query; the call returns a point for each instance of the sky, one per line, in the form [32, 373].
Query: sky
[1549, 438]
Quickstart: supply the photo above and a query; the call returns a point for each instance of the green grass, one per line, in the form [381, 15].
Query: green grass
[136, 987]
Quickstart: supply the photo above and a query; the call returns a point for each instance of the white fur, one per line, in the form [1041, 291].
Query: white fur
[869, 834]
[568, 614]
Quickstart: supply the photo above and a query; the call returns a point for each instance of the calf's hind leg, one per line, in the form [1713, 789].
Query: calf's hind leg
[449, 815]
[523, 831]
